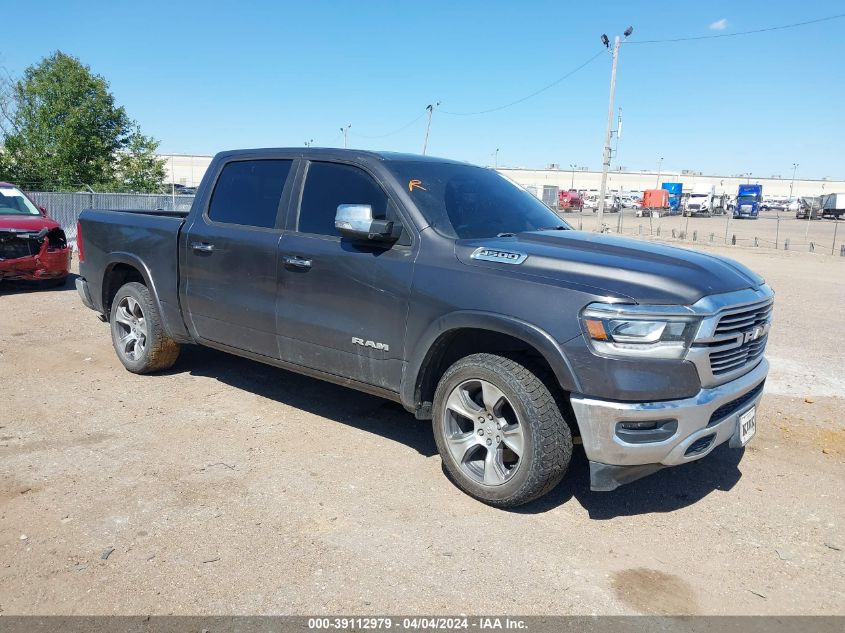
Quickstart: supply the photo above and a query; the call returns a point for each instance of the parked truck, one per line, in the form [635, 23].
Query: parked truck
[748, 201]
[703, 200]
[448, 289]
[833, 205]
[655, 203]
[676, 191]
[570, 200]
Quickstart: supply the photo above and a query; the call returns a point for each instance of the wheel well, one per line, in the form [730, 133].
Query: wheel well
[116, 276]
[456, 344]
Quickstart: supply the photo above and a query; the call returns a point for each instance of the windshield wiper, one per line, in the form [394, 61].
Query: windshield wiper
[559, 227]
[505, 234]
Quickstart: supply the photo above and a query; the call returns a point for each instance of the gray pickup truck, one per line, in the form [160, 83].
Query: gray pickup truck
[444, 287]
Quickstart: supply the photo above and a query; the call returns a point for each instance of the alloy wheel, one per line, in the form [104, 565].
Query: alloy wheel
[131, 328]
[483, 432]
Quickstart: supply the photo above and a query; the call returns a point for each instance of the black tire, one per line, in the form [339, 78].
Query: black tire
[158, 351]
[547, 439]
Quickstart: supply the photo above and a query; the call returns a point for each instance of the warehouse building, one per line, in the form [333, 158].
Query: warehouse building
[621, 180]
[187, 170]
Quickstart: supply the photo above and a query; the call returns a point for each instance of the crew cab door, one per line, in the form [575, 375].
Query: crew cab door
[230, 255]
[343, 304]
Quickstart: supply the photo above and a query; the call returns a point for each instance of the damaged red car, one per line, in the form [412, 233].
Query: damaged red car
[32, 246]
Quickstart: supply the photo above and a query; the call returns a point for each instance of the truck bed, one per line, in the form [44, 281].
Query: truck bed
[145, 240]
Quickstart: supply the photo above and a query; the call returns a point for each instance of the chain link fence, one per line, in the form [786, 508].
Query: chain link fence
[65, 208]
[781, 231]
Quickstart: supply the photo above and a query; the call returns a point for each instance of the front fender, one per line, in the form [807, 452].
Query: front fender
[425, 348]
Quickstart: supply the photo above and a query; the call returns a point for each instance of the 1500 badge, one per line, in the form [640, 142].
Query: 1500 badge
[496, 255]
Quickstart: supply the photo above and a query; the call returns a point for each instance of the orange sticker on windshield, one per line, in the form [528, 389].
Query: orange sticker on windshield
[415, 184]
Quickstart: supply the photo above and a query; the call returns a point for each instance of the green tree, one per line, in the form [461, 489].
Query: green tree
[63, 129]
[137, 167]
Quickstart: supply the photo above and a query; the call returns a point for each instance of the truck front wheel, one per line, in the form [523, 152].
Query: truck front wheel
[137, 333]
[499, 431]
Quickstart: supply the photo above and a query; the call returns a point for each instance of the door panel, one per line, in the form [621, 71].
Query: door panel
[230, 257]
[344, 313]
[231, 291]
[350, 292]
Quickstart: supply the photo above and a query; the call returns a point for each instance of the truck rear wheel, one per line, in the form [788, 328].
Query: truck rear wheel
[137, 333]
[499, 431]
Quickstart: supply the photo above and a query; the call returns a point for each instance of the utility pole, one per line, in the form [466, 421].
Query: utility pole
[618, 134]
[792, 184]
[430, 109]
[609, 130]
[345, 131]
[659, 168]
[496, 159]
[172, 184]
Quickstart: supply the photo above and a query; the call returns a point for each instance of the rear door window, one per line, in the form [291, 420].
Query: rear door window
[248, 192]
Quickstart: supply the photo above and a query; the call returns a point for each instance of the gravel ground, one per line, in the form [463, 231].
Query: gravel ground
[224, 486]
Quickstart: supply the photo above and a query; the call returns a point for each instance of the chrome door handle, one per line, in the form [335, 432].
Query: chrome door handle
[297, 262]
[202, 247]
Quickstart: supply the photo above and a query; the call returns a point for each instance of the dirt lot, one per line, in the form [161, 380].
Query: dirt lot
[224, 486]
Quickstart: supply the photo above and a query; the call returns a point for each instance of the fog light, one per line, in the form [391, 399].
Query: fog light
[646, 432]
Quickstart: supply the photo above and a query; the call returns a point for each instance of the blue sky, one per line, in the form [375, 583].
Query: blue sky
[207, 76]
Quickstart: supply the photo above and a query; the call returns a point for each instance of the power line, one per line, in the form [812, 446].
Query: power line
[738, 33]
[396, 131]
[527, 97]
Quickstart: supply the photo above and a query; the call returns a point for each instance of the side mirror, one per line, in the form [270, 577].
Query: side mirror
[356, 221]
[43, 211]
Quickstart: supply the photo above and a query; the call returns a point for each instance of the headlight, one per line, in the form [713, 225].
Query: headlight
[638, 331]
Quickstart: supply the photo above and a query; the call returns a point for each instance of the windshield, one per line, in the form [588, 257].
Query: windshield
[13, 202]
[465, 202]
[746, 199]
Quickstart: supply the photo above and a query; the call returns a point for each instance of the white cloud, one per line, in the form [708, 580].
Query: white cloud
[719, 25]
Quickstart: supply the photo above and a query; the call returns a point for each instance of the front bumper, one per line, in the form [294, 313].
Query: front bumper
[47, 264]
[704, 421]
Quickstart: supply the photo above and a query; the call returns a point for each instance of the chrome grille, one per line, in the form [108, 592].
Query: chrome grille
[725, 361]
[745, 320]
[729, 352]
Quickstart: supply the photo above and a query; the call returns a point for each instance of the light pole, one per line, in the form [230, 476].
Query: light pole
[430, 107]
[572, 166]
[496, 158]
[309, 143]
[659, 169]
[792, 184]
[345, 132]
[609, 130]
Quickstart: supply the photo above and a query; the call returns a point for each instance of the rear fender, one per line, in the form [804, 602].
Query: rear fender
[171, 317]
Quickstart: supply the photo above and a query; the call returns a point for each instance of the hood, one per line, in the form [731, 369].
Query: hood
[26, 222]
[622, 267]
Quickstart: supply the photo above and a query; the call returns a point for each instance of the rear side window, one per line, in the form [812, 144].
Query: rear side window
[248, 192]
[329, 185]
